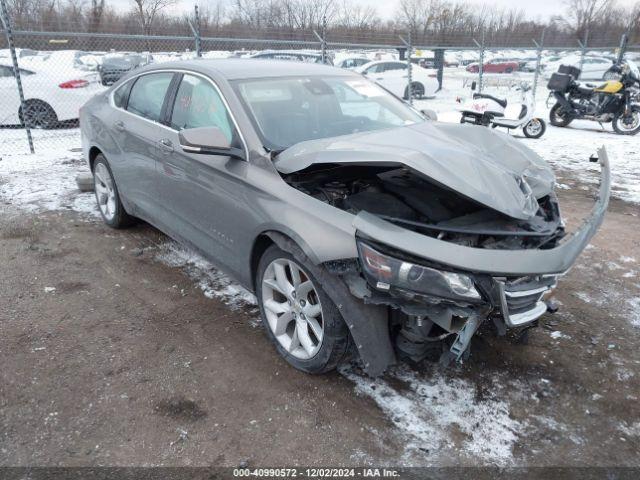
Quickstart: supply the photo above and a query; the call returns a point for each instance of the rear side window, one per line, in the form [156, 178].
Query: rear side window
[147, 95]
[198, 104]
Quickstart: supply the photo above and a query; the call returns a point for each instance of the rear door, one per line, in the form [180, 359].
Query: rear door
[393, 77]
[204, 199]
[137, 130]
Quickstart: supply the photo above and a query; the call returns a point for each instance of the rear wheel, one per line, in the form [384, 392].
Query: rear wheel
[559, 117]
[627, 124]
[107, 195]
[417, 90]
[38, 114]
[298, 316]
[535, 128]
[508, 70]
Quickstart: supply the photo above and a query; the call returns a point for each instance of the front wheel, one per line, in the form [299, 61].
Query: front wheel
[559, 117]
[535, 128]
[627, 124]
[298, 316]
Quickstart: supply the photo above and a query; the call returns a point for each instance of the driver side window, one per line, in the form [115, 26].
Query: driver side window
[198, 104]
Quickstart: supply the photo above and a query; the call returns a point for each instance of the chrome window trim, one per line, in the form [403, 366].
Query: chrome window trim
[188, 72]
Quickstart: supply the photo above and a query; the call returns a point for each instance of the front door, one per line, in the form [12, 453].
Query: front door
[203, 194]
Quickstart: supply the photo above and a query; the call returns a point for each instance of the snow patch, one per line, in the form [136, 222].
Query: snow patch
[45, 182]
[212, 282]
[429, 410]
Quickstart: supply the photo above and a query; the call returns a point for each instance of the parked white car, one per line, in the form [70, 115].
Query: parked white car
[51, 95]
[393, 76]
[593, 68]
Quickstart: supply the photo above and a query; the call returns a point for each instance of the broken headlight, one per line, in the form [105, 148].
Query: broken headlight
[385, 272]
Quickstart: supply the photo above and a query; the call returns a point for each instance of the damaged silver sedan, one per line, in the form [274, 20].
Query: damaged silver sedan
[360, 225]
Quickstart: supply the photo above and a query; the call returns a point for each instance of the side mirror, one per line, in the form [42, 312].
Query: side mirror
[208, 141]
[473, 85]
[429, 114]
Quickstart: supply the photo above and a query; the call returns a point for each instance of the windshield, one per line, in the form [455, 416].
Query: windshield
[290, 110]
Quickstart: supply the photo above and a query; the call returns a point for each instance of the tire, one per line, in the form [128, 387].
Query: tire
[326, 340]
[535, 128]
[38, 114]
[107, 195]
[620, 125]
[508, 70]
[557, 117]
[417, 90]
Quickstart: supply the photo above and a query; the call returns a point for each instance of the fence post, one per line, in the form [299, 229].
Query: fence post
[409, 51]
[536, 74]
[197, 32]
[322, 38]
[623, 47]
[583, 46]
[4, 16]
[481, 62]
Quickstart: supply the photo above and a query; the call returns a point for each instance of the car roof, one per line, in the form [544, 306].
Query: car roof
[247, 68]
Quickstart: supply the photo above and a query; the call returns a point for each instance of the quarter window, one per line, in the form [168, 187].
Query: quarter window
[147, 95]
[198, 104]
[121, 94]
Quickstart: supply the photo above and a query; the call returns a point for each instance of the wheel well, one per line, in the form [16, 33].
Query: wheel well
[259, 247]
[93, 153]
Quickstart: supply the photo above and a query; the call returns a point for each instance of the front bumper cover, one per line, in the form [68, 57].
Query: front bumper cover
[508, 263]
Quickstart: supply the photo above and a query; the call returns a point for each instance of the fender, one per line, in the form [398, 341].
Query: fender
[367, 323]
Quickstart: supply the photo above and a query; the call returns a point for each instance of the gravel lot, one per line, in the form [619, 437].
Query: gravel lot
[122, 348]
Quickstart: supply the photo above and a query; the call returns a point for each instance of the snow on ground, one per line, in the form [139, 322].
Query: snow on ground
[212, 282]
[432, 411]
[45, 181]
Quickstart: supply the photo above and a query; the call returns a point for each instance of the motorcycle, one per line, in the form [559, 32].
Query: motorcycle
[488, 110]
[613, 101]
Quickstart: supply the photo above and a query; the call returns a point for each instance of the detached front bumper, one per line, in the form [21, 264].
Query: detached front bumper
[516, 279]
[507, 263]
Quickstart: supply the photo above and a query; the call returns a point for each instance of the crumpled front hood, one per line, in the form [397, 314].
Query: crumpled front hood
[484, 165]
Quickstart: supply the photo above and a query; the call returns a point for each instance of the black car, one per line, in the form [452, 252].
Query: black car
[115, 66]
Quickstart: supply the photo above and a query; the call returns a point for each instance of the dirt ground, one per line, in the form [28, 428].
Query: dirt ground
[110, 357]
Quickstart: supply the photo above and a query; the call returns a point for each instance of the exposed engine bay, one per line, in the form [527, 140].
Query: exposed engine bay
[401, 196]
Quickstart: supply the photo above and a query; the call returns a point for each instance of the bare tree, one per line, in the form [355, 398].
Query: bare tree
[148, 11]
[95, 15]
[582, 14]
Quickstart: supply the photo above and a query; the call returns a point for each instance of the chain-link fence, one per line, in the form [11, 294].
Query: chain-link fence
[46, 76]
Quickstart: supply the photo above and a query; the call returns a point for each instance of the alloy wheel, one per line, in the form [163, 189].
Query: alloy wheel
[105, 191]
[37, 115]
[533, 127]
[292, 308]
[630, 122]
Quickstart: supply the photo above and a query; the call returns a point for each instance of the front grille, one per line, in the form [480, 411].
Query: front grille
[521, 298]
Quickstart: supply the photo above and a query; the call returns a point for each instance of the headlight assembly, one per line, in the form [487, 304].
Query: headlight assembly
[386, 272]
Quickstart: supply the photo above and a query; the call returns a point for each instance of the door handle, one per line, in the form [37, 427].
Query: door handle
[119, 126]
[166, 145]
